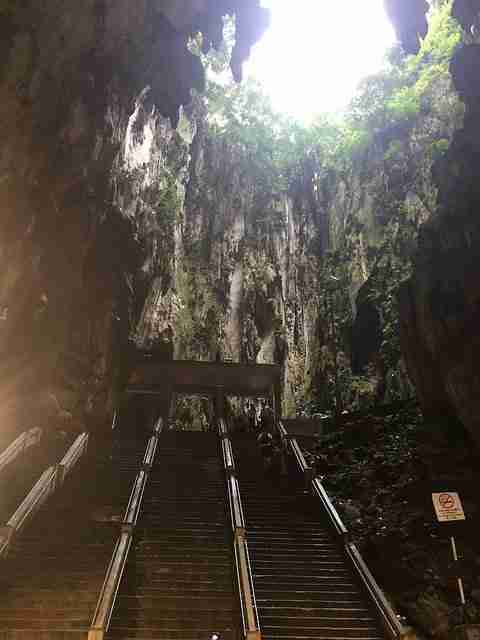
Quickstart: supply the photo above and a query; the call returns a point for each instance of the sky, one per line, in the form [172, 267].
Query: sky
[316, 51]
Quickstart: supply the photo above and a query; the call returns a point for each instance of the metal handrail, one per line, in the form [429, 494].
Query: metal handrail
[300, 458]
[248, 605]
[251, 624]
[150, 451]
[73, 455]
[19, 445]
[228, 461]
[236, 509]
[282, 431]
[50, 480]
[108, 594]
[158, 428]
[335, 519]
[113, 577]
[37, 495]
[389, 619]
[222, 428]
[135, 501]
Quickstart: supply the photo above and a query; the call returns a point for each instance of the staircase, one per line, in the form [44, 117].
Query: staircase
[178, 581]
[52, 576]
[303, 583]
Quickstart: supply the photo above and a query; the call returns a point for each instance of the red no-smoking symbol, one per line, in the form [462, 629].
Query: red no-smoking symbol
[446, 501]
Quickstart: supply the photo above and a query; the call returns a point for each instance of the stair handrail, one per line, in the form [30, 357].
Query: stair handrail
[334, 517]
[76, 450]
[246, 590]
[236, 508]
[250, 621]
[113, 576]
[108, 594]
[150, 451]
[135, 501]
[37, 495]
[23, 442]
[228, 460]
[44, 487]
[390, 620]
[388, 617]
[222, 428]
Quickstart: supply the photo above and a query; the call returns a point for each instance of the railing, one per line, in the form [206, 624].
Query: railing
[150, 451]
[135, 502]
[113, 576]
[108, 594]
[388, 618]
[390, 621]
[50, 480]
[250, 622]
[24, 441]
[73, 455]
[335, 520]
[228, 461]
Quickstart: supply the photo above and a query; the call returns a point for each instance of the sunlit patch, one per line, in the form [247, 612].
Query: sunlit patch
[315, 52]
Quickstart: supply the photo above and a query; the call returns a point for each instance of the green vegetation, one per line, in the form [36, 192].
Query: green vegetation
[407, 87]
[7, 7]
[397, 95]
[374, 166]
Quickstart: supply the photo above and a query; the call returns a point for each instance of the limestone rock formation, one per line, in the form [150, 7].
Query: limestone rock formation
[78, 199]
[116, 224]
[250, 276]
[440, 312]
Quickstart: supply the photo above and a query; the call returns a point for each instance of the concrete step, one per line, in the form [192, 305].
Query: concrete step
[304, 585]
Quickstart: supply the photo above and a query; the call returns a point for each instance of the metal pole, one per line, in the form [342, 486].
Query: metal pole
[459, 580]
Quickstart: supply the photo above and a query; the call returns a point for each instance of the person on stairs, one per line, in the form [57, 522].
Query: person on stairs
[266, 444]
[252, 418]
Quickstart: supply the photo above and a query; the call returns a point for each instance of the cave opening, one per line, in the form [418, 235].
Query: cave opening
[317, 219]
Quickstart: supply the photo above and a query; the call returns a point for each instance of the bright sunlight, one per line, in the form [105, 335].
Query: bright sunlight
[315, 52]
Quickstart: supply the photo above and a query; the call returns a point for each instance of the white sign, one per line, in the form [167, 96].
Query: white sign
[448, 506]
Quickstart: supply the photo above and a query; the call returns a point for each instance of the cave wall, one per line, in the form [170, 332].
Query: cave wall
[440, 303]
[79, 206]
[105, 205]
[249, 275]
